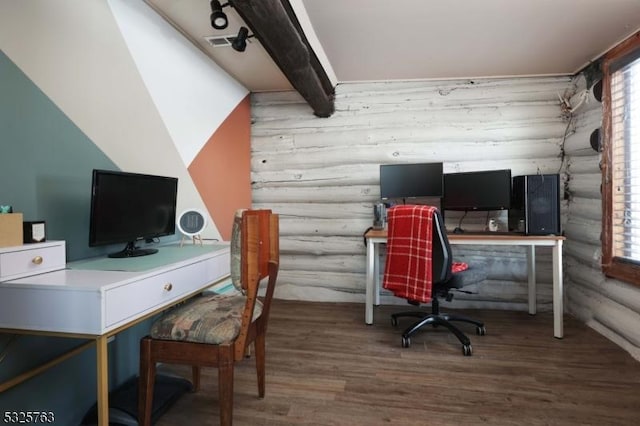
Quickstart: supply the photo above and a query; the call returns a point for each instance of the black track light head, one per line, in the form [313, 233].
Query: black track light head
[218, 18]
[240, 42]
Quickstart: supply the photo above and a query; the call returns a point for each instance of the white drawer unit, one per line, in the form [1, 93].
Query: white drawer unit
[126, 301]
[31, 259]
[96, 302]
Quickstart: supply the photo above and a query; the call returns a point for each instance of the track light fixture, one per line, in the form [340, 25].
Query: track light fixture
[219, 19]
[240, 42]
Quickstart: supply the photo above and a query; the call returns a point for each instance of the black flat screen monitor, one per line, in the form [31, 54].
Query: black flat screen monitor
[483, 190]
[410, 180]
[129, 207]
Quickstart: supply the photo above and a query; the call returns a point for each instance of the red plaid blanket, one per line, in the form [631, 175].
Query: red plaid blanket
[407, 270]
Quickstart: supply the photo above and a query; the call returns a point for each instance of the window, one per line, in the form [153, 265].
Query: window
[621, 162]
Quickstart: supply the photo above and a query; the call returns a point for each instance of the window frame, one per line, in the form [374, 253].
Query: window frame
[612, 266]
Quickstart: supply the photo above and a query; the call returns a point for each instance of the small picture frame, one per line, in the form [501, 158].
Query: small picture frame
[34, 231]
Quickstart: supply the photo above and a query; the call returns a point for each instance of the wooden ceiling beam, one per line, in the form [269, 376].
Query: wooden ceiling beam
[274, 23]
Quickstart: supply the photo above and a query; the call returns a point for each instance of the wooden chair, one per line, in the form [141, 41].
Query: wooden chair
[217, 330]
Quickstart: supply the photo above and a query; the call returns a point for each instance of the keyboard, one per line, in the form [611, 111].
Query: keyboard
[487, 233]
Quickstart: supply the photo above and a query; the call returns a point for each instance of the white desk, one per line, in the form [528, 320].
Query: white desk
[81, 302]
[376, 237]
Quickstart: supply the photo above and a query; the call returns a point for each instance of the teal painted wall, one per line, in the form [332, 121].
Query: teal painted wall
[46, 162]
[45, 173]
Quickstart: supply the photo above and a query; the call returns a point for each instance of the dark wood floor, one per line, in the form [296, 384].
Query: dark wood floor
[326, 367]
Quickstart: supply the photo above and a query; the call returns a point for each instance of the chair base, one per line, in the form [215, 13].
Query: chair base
[440, 319]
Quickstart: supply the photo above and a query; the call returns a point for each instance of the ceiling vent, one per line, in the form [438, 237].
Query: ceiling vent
[220, 41]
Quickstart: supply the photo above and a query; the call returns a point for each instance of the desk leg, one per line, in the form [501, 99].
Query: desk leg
[531, 274]
[376, 274]
[369, 283]
[102, 380]
[558, 293]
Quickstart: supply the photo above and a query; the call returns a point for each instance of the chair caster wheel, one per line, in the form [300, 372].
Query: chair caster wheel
[394, 321]
[481, 331]
[466, 350]
[406, 342]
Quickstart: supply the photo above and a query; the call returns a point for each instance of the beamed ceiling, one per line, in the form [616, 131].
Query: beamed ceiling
[312, 45]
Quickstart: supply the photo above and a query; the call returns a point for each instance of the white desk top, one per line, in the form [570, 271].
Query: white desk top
[380, 235]
[90, 301]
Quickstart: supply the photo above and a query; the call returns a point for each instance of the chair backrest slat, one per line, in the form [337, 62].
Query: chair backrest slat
[274, 240]
[260, 237]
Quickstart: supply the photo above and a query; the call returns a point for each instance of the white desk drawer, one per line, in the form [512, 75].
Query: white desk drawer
[135, 299]
[95, 302]
[31, 259]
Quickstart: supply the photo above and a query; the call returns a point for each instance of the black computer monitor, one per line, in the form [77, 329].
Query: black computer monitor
[411, 180]
[481, 190]
[130, 207]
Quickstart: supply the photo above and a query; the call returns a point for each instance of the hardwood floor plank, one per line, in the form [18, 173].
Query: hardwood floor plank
[326, 367]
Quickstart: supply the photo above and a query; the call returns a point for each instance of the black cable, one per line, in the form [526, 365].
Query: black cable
[564, 139]
[461, 219]
[364, 238]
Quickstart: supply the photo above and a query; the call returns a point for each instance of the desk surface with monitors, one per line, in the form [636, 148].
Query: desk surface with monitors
[376, 237]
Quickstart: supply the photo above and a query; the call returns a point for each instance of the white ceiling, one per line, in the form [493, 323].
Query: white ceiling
[377, 40]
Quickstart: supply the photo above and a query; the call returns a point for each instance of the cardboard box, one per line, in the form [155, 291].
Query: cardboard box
[10, 229]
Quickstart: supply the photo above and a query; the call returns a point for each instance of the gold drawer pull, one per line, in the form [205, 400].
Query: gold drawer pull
[37, 260]
[168, 286]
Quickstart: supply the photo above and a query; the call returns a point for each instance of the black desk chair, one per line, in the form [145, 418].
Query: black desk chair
[444, 281]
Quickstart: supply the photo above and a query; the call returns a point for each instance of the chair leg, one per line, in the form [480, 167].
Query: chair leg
[259, 344]
[146, 383]
[416, 314]
[195, 378]
[436, 320]
[460, 318]
[225, 384]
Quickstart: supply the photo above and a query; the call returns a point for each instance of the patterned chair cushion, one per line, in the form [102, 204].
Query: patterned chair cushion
[213, 319]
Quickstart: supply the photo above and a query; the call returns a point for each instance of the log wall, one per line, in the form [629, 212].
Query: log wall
[609, 306]
[322, 175]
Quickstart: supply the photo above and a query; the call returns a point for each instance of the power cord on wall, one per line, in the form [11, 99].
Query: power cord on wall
[458, 228]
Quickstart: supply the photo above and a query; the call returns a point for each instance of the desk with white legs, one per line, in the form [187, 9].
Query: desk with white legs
[376, 237]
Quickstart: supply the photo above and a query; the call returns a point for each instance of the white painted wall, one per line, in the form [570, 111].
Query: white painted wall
[322, 175]
[180, 78]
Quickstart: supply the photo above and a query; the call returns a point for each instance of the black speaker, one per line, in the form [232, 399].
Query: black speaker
[535, 205]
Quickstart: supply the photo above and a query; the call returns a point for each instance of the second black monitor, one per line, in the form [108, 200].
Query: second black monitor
[483, 190]
[411, 180]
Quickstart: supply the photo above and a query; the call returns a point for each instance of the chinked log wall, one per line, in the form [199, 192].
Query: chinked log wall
[322, 174]
[609, 306]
